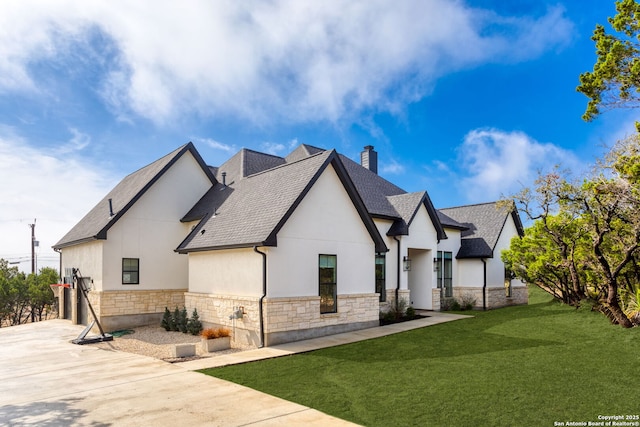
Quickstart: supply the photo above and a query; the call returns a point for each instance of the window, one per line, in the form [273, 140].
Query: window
[328, 284]
[130, 271]
[444, 266]
[380, 277]
[507, 282]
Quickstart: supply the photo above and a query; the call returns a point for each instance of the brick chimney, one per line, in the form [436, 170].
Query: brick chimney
[369, 159]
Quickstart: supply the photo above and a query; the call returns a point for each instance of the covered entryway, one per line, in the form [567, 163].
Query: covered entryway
[420, 278]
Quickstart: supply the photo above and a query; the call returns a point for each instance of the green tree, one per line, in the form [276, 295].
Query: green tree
[585, 239]
[41, 298]
[615, 79]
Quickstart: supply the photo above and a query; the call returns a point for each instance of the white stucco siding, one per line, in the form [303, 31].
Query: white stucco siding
[470, 273]
[422, 233]
[420, 246]
[325, 222]
[151, 229]
[229, 272]
[495, 266]
[87, 257]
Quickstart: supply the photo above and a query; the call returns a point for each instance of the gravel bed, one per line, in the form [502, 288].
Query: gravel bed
[154, 341]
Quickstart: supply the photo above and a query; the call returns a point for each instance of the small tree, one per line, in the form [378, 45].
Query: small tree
[174, 319]
[166, 319]
[194, 326]
[182, 320]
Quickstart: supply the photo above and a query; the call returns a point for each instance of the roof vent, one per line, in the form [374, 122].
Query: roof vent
[369, 159]
[110, 209]
[224, 178]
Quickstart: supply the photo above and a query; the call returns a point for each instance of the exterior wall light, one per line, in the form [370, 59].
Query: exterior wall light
[406, 263]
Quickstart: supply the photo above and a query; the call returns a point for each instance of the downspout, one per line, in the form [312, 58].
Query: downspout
[60, 268]
[60, 278]
[484, 284]
[397, 271]
[264, 294]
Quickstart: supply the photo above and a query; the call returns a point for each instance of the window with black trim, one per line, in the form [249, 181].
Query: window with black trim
[508, 276]
[130, 271]
[328, 283]
[381, 287]
[444, 267]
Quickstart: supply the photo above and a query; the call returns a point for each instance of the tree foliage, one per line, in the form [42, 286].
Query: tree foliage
[615, 79]
[584, 243]
[25, 298]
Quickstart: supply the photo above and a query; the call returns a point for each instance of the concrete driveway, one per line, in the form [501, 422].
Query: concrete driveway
[47, 381]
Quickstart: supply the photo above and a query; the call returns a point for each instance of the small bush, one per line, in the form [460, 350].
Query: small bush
[166, 320]
[213, 333]
[182, 320]
[468, 301]
[450, 304]
[194, 326]
[173, 326]
[411, 312]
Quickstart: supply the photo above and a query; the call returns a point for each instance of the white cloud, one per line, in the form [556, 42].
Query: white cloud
[78, 142]
[267, 61]
[216, 144]
[495, 163]
[52, 188]
[392, 167]
[273, 148]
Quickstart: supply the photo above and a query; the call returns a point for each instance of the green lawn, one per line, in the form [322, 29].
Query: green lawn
[532, 365]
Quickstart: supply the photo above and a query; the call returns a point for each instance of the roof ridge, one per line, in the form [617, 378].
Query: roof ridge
[289, 163]
[471, 205]
[261, 152]
[172, 153]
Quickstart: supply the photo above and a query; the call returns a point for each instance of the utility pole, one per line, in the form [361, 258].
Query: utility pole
[33, 246]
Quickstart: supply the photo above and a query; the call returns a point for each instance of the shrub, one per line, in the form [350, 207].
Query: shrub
[194, 326]
[411, 312]
[212, 333]
[452, 304]
[182, 320]
[468, 301]
[166, 320]
[173, 326]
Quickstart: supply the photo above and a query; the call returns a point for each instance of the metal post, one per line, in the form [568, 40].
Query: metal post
[33, 246]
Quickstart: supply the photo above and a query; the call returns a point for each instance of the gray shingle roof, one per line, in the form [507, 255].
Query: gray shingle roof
[96, 223]
[245, 163]
[449, 222]
[386, 200]
[373, 189]
[302, 151]
[484, 223]
[253, 211]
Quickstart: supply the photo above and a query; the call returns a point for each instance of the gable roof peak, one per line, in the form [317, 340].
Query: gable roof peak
[96, 223]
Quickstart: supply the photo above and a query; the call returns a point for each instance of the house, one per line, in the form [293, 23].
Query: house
[484, 231]
[277, 248]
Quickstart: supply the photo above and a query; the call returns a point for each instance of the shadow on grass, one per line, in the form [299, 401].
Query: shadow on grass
[46, 414]
[465, 337]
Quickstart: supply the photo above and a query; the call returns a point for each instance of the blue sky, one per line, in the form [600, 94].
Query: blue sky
[466, 99]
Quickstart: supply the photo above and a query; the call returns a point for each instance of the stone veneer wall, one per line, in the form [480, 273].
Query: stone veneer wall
[285, 319]
[496, 296]
[403, 294]
[215, 310]
[298, 318]
[130, 308]
[435, 299]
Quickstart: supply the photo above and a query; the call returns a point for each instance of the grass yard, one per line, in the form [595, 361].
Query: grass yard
[532, 365]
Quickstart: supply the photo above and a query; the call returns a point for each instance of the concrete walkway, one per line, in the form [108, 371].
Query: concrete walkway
[47, 381]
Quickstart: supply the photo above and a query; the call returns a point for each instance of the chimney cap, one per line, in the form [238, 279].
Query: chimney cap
[368, 147]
